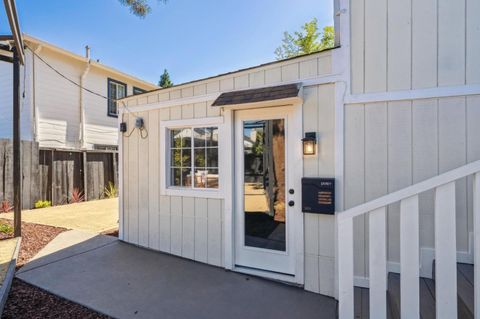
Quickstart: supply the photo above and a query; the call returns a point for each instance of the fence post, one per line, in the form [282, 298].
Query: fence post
[84, 173]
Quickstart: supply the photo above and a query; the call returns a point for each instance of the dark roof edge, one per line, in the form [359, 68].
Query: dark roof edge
[236, 71]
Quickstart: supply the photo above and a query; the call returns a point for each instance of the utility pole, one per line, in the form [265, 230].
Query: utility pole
[17, 167]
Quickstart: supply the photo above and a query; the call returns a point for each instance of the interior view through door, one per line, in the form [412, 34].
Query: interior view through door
[263, 231]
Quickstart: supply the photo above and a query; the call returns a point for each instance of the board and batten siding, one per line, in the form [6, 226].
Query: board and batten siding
[194, 227]
[184, 226]
[391, 145]
[403, 45]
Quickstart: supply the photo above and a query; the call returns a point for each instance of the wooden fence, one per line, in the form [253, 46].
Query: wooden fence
[54, 174]
[63, 172]
[30, 171]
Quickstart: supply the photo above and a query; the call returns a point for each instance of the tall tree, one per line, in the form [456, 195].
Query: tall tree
[165, 81]
[305, 41]
[140, 8]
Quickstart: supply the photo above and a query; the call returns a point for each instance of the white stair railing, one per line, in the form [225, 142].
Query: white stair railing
[445, 248]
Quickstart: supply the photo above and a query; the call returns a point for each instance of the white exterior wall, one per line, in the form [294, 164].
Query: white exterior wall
[6, 100]
[390, 144]
[194, 227]
[57, 101]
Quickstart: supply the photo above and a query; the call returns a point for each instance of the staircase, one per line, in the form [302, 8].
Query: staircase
[451, 292]
[465, 293]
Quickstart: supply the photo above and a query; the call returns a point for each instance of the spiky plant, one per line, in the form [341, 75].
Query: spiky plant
[110, 191]
[76, 196]
[5, 206]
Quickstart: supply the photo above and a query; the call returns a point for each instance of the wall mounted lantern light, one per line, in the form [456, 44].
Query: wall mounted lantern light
[309, 143]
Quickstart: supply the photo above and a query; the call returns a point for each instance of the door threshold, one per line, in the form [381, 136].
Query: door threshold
[275, 276]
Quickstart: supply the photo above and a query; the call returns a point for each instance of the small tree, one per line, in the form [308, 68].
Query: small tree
[165, 81]
[306, 41]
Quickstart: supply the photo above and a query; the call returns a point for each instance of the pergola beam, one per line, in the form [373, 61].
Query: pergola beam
[11, 11]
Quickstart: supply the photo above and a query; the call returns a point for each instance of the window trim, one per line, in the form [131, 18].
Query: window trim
[165, 188]
[110, 80]
[138, 90]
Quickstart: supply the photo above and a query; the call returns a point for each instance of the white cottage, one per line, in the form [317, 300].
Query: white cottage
[215, 172]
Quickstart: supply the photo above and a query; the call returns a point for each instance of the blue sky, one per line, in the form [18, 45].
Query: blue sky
[192, 39]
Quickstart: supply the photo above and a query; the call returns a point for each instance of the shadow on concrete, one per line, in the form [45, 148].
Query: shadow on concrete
[125, 281]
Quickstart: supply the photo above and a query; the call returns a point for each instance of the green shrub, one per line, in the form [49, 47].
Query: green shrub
[43, 203]
[6, 229]
[110, 191]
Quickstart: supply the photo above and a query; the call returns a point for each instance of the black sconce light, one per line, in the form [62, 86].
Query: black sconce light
[309, 143]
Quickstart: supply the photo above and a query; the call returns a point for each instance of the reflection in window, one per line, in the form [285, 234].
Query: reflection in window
[264, 184]
[194, 157]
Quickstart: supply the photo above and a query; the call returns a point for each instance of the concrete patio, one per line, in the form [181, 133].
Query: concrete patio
[125, 281]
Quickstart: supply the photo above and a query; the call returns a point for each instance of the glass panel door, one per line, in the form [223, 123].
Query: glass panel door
[264, 184]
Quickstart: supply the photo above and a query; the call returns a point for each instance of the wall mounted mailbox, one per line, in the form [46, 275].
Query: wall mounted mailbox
[318, 195]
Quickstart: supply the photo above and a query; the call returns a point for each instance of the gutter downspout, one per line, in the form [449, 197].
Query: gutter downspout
[34, 95]
[82, 102]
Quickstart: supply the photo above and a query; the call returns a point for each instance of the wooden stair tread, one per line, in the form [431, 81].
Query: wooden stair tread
[465, 289]
[427, 302]
[465, 293]
[361, 303]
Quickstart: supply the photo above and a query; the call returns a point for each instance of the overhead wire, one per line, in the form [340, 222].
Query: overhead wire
[91, 92]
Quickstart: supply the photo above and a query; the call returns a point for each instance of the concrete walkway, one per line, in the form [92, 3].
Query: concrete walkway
[93, 216]
[125, 281]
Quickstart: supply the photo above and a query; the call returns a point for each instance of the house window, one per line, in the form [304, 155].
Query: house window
[193, 157]
[138, 91]
[116, 90]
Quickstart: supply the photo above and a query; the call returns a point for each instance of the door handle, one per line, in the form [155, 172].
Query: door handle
[291, 203]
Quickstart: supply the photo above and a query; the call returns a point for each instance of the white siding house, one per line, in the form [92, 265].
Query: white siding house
[68, 124]
[55, 112]
[395, 109]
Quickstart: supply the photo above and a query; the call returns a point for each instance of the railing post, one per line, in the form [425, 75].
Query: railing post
[476, 245]
[377, 263]
[445, 252]
[345, 268]
[409, 258]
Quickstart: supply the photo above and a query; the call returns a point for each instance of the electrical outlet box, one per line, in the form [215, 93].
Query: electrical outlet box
[123, 127]
[139, 123]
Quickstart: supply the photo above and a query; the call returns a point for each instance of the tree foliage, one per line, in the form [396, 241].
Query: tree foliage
[140, 8]
[165, 81]
[305, 41]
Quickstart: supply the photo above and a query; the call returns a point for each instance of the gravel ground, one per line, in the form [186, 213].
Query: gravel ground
[34, 238]
[28, 302]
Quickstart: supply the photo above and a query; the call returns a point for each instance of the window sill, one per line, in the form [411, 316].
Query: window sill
[193, 193]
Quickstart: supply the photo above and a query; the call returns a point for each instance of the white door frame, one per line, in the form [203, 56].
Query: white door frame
[296, 170]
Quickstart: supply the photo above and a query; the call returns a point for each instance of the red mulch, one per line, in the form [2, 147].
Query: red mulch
[34, 238]
[113, 233]
[28, 302]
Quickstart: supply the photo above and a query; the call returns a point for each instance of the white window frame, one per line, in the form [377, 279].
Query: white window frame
[165, 187]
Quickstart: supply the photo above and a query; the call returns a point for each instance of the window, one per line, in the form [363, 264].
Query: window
[116, 90]
[138, 91]
[193, 157]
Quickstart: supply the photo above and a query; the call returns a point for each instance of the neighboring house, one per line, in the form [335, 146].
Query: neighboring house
[395, 107]
[67, 119]
[57, 113]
